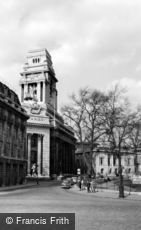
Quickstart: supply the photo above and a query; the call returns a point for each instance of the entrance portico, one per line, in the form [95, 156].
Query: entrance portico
[35, 151]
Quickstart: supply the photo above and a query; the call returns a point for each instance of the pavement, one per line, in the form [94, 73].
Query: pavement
[100, 193]
[29, 184]
[106, 193]
[15, 187]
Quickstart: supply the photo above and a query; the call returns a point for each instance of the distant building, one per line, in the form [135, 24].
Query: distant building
[106, 162]
[13, 157]
[51, 144]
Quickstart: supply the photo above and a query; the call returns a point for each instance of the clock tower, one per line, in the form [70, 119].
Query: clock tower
[39, 98]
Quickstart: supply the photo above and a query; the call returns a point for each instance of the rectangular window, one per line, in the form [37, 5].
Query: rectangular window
[114, 160]
[101, 160]
[108, 160]
[129, 161]
[41, 91]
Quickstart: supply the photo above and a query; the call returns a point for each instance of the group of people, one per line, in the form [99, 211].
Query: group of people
[89, 184]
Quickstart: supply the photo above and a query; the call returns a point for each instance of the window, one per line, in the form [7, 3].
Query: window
[116, 172]
[129, 170]
[114, 160]
[110, 171]
[36, 60]
[41, 91]
[102, 170]
[101, 159]
[108, 160]
[129, 161]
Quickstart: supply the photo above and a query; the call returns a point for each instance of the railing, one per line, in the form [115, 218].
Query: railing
[113, 185]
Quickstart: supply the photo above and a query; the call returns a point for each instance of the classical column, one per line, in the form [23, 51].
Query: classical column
[42, 136]
[38, 91]
[46, 153]
[29, 153]
[44, 92]
[25, 90]
[39, 154]
[22, 92]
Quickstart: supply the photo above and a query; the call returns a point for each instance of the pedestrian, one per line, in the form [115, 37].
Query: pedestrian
[82, 184]
[91, 186]
[34, 171]
[79, 184]
[94, 185]
[88, 186]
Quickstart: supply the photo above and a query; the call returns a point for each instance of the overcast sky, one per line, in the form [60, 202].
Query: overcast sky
[92, 42]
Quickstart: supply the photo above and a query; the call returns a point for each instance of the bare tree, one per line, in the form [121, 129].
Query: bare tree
[93, 113]
[118, 125]
[73, 114]
[135, 136]
[85, 116]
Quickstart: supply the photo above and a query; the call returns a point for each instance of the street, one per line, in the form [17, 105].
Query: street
[91, 212]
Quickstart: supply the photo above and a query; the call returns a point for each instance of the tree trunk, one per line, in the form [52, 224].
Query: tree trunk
[121, 185]
[136, 162]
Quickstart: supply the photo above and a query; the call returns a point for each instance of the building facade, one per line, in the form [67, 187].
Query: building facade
[50, 144]
[106, 163]
[13, 156]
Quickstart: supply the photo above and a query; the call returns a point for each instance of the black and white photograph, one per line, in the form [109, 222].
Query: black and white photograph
[70, 114]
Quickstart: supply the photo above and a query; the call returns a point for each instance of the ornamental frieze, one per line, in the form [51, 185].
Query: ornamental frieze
[35, 108]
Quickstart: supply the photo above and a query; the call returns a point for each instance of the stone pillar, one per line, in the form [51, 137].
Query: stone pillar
[42, 136]
[29, 153]
[38, 92]
[44, 92]
[22, 92]
[46, 154]
[25, 90]
[39, 154]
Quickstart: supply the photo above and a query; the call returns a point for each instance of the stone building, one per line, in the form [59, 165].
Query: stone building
[106, 163]
[51, 144]
[13, 157]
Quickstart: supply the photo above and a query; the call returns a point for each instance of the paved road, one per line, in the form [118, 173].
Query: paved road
[92, 213]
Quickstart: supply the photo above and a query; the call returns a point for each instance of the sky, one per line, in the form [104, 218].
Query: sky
[93, 43]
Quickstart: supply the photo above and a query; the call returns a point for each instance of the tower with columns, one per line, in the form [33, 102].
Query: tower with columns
[39, 98]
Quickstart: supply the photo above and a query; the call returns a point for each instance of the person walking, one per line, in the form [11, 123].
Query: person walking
[91, 186]
[94, 185]
[33, 169]
[88, 186]
[34, 172]
[79, 184]
[82, 184]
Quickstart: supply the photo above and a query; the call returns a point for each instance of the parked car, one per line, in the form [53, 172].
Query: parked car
[66, 183]
[74, 180]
